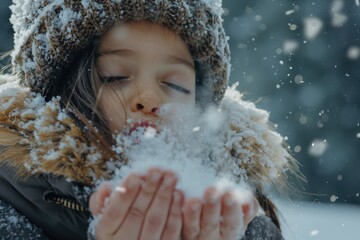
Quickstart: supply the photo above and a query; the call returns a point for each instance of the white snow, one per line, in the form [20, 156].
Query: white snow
[22, 9]
[314, 232]
[8, 89]
[178, 148]
[16, 225]
[318, 147]
[337, 6]
[289, 12]
[353, 53]
[337, 17]
[333, 198]
[299, 79]
[312, 28]
[216, 4]
[210, 146]
[289, 46]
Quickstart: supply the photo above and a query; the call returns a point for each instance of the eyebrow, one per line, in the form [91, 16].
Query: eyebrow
[131, 54]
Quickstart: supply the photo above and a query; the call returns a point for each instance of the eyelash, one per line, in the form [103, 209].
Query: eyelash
[170, 85]
[178, 88]
[113, 79]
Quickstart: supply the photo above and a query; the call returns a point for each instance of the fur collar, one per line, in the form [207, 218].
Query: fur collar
[40, 137]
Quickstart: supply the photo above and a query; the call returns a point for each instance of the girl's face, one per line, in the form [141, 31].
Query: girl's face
[143, 66]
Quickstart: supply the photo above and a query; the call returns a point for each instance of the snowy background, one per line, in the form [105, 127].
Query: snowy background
[300, 61]
[319, 221]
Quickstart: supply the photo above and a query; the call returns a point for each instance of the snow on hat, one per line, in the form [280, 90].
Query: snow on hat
[49, 33]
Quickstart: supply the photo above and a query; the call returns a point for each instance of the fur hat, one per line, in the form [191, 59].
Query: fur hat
[49, 33]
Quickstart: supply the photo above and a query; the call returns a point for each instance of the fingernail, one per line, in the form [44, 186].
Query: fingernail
[133, 183]
[246, 208]
[155, 177]
[168, 180]
[108, 188]
[195, 207]
[229, 201]
[213, 198]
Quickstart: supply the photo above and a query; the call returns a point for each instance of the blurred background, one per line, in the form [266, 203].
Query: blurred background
[300, 60]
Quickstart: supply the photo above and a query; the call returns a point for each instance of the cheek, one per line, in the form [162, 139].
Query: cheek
[190, 101]
[181, 99]
[113, 107]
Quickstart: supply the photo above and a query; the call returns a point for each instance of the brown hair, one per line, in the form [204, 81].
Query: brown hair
[81, 88]
[269, 207]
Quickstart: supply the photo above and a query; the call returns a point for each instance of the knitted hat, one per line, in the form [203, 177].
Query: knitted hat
[49, 33]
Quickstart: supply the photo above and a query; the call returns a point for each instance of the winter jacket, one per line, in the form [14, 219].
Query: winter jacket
[48, 165]
[34, 205]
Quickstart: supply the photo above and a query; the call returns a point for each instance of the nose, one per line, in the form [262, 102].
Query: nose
[148, 103]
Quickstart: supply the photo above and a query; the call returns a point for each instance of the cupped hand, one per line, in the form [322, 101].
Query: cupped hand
[218, 216]
[143, 207]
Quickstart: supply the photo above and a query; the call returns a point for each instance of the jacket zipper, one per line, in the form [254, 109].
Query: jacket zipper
[67, 203]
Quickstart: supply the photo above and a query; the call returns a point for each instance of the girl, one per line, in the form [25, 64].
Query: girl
[88, 71]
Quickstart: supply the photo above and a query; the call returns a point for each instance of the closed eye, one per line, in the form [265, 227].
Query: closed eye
[177, 88]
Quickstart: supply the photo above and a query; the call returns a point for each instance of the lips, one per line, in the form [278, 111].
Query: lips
[142, 123]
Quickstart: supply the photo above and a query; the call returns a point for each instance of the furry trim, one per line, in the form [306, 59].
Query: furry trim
[41, 137]
[256, 150]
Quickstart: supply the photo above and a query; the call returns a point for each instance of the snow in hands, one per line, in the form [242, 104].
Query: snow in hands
[218, 146]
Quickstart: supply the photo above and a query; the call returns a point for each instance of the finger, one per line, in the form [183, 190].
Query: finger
[191, 217]
[119, 202]
[97, 199]
[93, 203]
[250, 210]
[158, 212]
[173, 226]
[232, 226]
[132, 225]
[211, 213]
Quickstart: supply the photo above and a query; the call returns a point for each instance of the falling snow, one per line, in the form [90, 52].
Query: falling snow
[314, 232]
[353, 53]
[318, 147]
[338, 17]
[312, 28]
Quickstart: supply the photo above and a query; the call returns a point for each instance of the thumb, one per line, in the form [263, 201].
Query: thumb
[97, 199]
